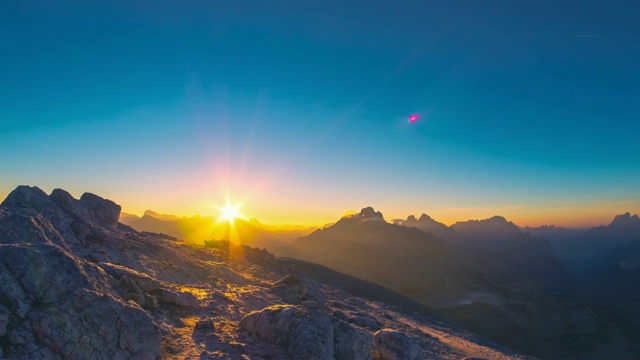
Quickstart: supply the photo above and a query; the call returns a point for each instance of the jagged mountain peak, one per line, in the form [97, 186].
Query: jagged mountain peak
[625, 219]
[425, 217]
[369, 213]
[495, 225]
[424, 222]
[165, 217]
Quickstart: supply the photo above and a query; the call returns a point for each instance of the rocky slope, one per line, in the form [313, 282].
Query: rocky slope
[76, 284]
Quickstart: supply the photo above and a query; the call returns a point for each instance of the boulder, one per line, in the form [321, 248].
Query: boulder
[62, 305]
[349, 343]
[309, 336]
[393, 345]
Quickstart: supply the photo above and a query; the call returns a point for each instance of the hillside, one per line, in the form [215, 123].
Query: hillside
[76, 284]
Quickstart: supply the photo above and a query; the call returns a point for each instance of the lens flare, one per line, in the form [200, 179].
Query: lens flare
[229, 213]
[413, 118]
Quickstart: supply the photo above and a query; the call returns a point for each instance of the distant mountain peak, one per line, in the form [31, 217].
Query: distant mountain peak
[625, 219]
[494, 225]
[498, 219]
[425, 217]
[427, 224]
[369, 213]
[159, 216]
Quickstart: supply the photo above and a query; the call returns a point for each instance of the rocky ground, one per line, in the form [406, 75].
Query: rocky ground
[76, 284]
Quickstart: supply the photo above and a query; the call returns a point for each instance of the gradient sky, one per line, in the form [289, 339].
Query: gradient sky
[298, 109]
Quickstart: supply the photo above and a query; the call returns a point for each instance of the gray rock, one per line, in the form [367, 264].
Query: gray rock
[295, 288]
[349, 343]
[90, 208]
[302, 337]
[132, 291]
[27, 226]
[104, 211]
[366, 321]
[393, 345]
[175, 298]
[4, 319]
[340, 315]
[309, 303]
[62, 306]
[146, 282]
[30, 197]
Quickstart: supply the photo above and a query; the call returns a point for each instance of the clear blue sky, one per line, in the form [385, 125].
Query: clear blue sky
[529, 109]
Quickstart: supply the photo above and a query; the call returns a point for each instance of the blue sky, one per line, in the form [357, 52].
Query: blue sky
[299, 109]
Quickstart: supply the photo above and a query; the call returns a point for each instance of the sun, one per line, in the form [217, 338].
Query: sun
[229, 213]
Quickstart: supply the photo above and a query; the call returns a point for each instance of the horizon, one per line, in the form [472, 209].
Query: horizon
[299, 111]
[337, 216]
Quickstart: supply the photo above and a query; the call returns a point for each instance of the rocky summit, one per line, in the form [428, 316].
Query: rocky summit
[76, 284]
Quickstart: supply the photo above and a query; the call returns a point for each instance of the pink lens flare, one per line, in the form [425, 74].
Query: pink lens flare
[413, 118]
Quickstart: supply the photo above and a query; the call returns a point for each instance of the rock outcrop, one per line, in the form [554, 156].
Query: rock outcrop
[304, 333]
[393, 345]
[61, 308]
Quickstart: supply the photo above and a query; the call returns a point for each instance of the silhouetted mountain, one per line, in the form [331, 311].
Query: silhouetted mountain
[494, 279]
[128, 218]
[427, 224]
[366, 246]
[164, 217]
[552, 233]
[148, 222]
[496, 247]
[611, 285]
[626, 221]
[496, 227]
[612, 276]
[580, 252]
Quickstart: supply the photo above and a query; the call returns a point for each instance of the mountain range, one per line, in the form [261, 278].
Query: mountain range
[77, 284]
[502, 281]
[509, 284]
